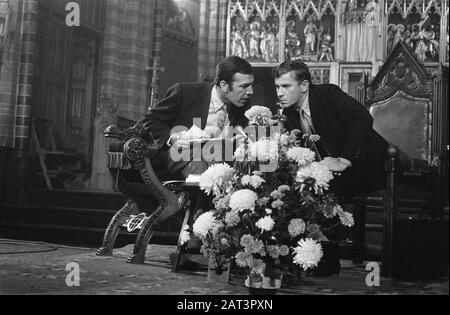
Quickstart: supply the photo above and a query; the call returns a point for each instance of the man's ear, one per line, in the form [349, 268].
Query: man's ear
[224, 86]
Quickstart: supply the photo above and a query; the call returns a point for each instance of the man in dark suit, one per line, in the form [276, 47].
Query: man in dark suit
[348, 144]
[210, 107]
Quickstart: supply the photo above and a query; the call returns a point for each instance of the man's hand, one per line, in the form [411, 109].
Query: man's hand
[177, 139]
[334, 164]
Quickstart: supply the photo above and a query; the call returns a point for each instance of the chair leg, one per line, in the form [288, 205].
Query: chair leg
[141, 243]
[162, 213]
[359, 233]
[113, 228]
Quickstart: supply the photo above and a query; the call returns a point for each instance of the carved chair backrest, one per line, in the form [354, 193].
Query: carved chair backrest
[403, 100]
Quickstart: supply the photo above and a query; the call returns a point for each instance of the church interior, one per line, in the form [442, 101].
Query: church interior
[72, 72]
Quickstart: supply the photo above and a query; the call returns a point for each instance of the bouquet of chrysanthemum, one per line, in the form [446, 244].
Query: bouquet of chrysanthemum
[268, 221]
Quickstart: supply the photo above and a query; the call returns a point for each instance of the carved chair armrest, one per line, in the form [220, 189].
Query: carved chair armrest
[115, 132]
[129, 154]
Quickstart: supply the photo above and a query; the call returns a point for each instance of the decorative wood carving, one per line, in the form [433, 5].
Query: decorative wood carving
[401, 71]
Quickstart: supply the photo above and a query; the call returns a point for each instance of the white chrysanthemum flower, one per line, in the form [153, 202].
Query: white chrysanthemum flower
[347, 219]
[232, 218]
[256, 181]
[302, 156]
[273, 251]
[259, 115]
[244, 199]
[185, 236]
[284, 250]
[217, 179]
[241, 259]
[222, 204]
[245, 180]
[247, 241]
[284, 139]
[308, 253]
[284, 189]
[257, 247]
[263, 201]
[317, 171]
[265, 224]
[296, 227]
[277, 204]
[264, 150]
[329, 211]
[204, 224]
[276, 194]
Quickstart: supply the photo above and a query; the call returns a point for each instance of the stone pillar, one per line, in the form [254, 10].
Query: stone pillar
[24, 88]
[9, 58]
[156, 53]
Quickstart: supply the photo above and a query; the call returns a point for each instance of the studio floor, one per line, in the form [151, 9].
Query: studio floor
[38, 268]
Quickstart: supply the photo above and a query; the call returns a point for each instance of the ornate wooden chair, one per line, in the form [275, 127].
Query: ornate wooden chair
[405, 101]
[151, 200]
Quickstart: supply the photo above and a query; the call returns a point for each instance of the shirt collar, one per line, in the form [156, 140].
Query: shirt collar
[216, 103]
[305, 106]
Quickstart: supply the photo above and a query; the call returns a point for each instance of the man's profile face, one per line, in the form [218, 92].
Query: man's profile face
[290, 91]
[240, 90]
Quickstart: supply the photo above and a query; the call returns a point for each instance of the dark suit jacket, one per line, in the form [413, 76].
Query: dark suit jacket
[345, 128]
[182, 103]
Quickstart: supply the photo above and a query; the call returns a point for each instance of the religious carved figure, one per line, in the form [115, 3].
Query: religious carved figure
[269, 43]
[254, 40]
[310, 34]
[373, 15]
[325, 50]
[418, 42]
[431, 44]
[390, 37]
[292, 41]
[399, 33]
[238, 44]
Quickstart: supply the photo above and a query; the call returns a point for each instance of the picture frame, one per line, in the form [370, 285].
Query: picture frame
[181, 22]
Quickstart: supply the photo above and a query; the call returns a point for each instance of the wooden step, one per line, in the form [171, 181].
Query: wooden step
[75, 235]
[75, 199]
[61, 224]
[59, 216]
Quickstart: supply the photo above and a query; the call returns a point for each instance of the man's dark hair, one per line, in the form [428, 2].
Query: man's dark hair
[300, 69]
[229, 66]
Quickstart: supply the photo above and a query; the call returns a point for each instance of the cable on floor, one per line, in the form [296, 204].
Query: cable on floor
[16, 243]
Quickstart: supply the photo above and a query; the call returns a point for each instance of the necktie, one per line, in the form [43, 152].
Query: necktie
[305, 122]
[307, 129]
[222, 117]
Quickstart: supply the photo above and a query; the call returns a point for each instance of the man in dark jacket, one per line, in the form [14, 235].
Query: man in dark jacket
[348, 144]
[210, 107]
